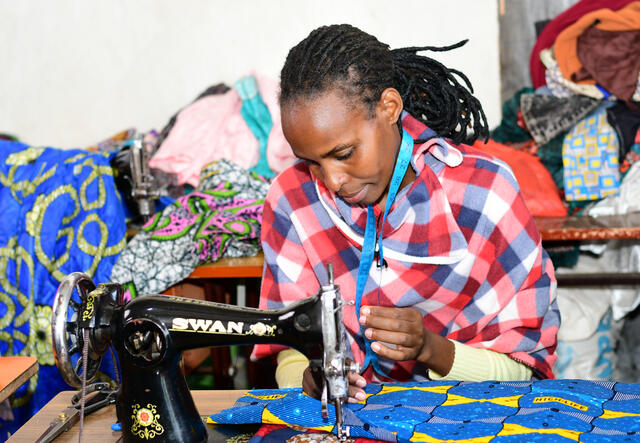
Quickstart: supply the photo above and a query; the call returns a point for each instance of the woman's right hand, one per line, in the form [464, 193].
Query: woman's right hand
[312, 385]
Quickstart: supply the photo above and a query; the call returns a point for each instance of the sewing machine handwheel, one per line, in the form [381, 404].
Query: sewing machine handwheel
[67, 339]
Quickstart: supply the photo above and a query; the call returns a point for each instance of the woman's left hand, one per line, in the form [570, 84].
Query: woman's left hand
[396, 333]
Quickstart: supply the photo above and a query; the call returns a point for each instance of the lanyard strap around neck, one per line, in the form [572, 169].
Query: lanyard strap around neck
[369, 244]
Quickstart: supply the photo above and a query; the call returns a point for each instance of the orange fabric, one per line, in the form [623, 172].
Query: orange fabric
[566, 45]
[538, 188]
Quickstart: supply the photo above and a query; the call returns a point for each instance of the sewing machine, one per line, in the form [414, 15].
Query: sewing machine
[142, 188]
[133, 177]
[150, 332]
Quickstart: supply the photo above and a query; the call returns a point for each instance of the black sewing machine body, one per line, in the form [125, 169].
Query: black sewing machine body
[150, 333]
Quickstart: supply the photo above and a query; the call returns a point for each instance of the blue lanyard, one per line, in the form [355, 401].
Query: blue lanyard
[368, 246]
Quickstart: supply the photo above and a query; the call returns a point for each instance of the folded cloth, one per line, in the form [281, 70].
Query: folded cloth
[590, 159]
[547, 116]
[463, 411]
[221, 218]
[563, 87]
[626, 122]
[612, 59]
[566, 46]
[213, 128]
[551, 31]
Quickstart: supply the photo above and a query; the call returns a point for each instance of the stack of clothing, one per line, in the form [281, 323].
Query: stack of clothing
[581, 118]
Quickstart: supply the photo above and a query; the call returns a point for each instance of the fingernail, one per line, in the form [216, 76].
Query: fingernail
[360, 396]
[365, 311]
[375, 346]
[361, 383]
[368, 333]
[363, 320]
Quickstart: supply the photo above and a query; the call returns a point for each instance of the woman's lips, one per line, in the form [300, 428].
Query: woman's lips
[356, 198]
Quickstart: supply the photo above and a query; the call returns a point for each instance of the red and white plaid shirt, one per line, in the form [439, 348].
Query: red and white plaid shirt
[460, 245]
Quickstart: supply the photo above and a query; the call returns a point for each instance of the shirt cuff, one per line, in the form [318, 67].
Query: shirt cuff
[291, 366]
[473, 364]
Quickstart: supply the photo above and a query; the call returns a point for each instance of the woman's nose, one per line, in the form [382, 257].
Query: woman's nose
[334, 179]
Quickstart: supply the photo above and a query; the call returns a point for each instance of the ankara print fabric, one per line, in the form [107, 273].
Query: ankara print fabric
[590, 156]
[545, 410]
[221, 217]
[60, 212]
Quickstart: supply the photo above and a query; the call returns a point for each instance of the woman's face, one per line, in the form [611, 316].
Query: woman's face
[345, 147]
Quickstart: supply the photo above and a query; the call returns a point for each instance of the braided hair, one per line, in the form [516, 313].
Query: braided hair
[344, 57]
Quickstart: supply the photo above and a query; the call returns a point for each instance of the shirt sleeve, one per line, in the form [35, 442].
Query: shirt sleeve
[472, 364]
[287, 275]
[291, 366]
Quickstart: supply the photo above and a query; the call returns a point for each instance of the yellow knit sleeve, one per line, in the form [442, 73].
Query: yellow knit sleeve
[291, 365]
[473, 364]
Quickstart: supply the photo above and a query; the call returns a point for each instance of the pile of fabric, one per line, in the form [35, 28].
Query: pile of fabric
[68, 210]
[581, 118]
[227, 144]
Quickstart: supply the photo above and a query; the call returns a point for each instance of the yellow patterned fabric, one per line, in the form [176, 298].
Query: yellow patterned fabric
[60, 212]
[591, 159]
[439, 411]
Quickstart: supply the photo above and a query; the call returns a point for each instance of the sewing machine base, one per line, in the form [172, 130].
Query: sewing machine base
[158, 406]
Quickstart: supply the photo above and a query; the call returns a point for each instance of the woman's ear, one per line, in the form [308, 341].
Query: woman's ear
[390, 105]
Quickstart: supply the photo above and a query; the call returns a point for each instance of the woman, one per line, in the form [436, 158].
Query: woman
[460, 286]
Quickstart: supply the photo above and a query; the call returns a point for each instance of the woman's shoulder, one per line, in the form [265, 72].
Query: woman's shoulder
[485, 163]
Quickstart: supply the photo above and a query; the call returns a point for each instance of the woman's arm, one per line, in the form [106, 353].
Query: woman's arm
[473, 364]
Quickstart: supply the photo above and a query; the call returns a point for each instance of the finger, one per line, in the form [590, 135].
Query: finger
[357, 380]
[391, 324]
[400, 353]
[397, 338]
[410, 314]
[356, 394]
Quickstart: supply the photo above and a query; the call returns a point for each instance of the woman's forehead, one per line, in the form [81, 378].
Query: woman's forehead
[323, 112]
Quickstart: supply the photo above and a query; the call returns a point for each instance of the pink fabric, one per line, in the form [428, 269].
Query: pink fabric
[212, 128]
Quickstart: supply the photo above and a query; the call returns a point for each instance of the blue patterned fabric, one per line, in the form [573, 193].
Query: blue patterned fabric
[590, 156]
[59, 212]
[546, 410]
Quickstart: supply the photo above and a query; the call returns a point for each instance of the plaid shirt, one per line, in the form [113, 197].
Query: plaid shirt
[459, 243]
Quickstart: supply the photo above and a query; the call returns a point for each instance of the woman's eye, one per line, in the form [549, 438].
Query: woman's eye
[344, 155]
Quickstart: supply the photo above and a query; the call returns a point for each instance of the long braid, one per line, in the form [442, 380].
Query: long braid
[345, 57]
[431, 88]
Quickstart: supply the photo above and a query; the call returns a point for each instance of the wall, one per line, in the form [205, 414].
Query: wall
[77, 71]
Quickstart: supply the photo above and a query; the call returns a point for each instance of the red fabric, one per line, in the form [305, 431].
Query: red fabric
[548, 35]
[538, 188]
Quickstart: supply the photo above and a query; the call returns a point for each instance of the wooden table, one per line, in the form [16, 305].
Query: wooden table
[243, 267]
[97, 426]
[589, 228]
[14, 372]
